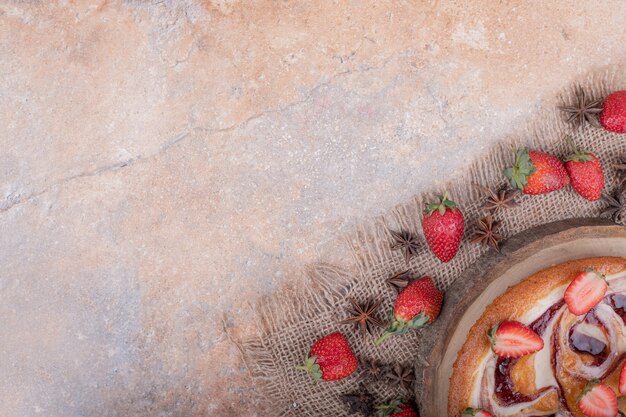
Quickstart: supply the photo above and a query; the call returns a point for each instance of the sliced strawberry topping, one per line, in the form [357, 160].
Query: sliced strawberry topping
[598, 400]
[512, 339]
[622, 380]
[585, 292]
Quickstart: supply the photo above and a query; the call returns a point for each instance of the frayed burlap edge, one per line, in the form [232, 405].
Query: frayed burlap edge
[327, 285]
[369, 245]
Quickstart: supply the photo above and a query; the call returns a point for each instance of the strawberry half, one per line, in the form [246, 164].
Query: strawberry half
[396, 408]
[417, 305]
[585, 292]
[622, 380]
[597, 400]
[476, 412]
[613, 116]
[537, 172]
[330, 359]
[443, 227]
[512, 339]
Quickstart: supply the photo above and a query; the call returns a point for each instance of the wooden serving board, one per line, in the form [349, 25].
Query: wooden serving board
[522, 255]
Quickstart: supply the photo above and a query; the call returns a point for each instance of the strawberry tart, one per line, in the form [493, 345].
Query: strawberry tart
[552, 345]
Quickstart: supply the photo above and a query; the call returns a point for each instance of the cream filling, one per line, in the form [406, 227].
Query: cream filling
[593, 331]
[483, 385]
[544, 374]
[536, 311]
[478, 377]
[617, 283]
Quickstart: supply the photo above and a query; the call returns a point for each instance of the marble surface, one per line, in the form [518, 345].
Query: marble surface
[163, 164]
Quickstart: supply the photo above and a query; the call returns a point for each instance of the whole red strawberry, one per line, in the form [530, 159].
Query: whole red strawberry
[586, 174]
[330, 359]
[396, 408]
[417, 305]
[537, 172]
[443, 226]
[613, 116]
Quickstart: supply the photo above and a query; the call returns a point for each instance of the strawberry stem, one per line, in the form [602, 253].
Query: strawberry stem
[401, 326]
[384, 337]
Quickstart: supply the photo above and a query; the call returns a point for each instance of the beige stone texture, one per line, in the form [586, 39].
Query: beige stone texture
[163, 164]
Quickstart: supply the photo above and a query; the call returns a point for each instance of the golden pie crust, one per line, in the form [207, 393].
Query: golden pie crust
[512, 305]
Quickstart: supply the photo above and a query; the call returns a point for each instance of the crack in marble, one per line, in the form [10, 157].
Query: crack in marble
[184, 134]
[90, 173]
[288, 106]
[99, 170]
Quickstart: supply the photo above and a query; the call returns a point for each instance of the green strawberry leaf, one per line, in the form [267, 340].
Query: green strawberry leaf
[316, 372]
[587, 388]
[442, 205]
[580, 156]
[471, 412]
[312, 368]
[577, 155]
[491, 334]
[418, 321]
[401, 326]
[387, 409]
[523, 168]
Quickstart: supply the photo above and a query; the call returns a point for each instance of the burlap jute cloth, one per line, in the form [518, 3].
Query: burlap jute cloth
[291, 321]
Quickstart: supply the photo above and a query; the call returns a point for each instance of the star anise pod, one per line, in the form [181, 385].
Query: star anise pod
[371, 368]
[616, 210]
[503, 198]
[486, 234]
[620, 168]
[363, 316]
[360, 402]
[401, 376]
[582, 111]
[400, 280]
[405, 241]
